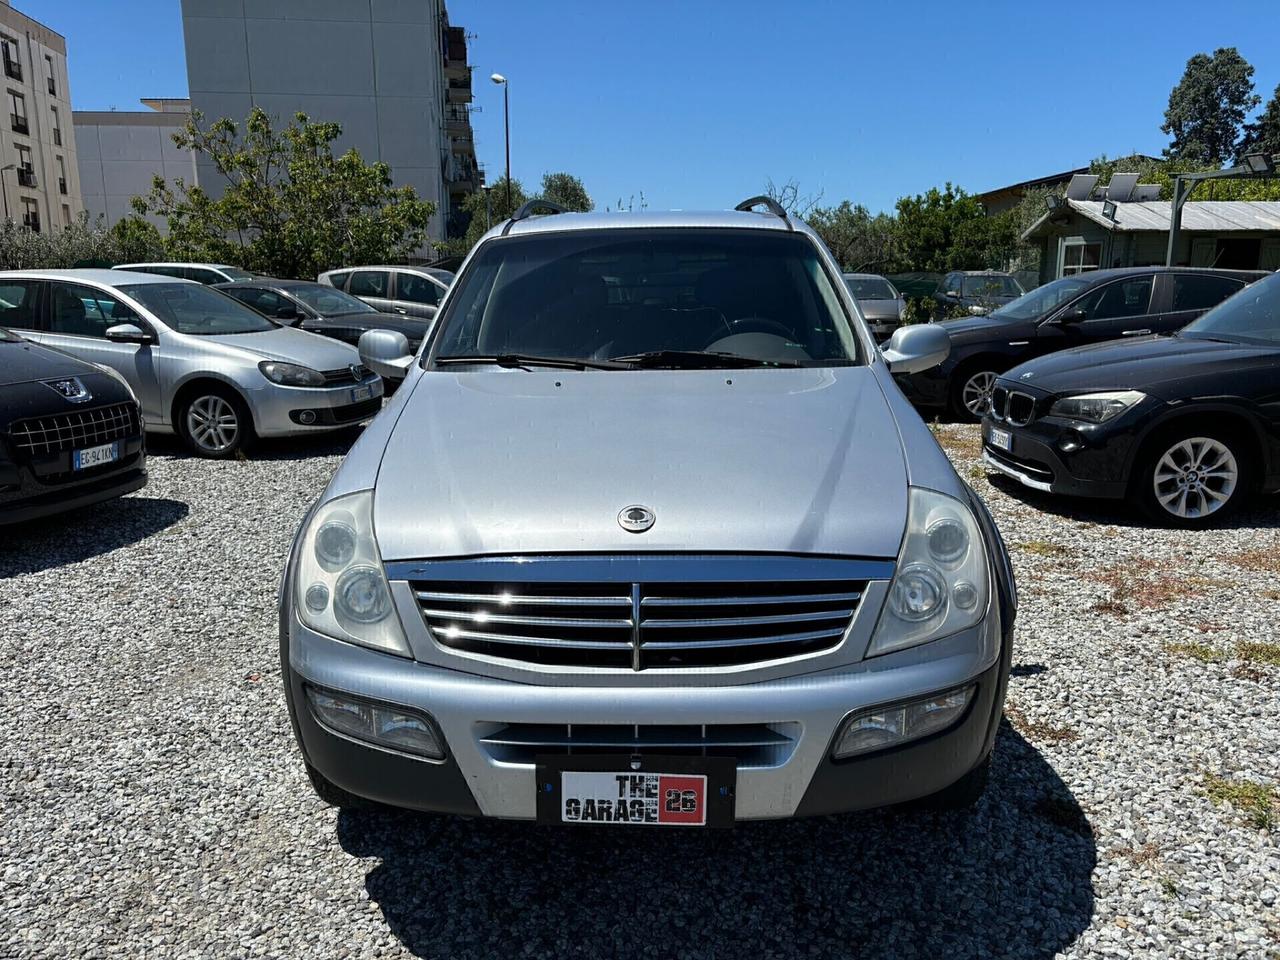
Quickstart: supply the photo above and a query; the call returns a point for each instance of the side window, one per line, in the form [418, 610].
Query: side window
[266, 302]
[18, 299]
[952, 283]
[85, 311]
[339, 280]
[416, 289]
[1193, 292]
[202, 275]
[368, 283]
[1125, 298]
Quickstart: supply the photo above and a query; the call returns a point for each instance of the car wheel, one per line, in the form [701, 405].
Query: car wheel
[1192, 478]
[971, 393]
[215, 423]
[333, 795]
[962, 794]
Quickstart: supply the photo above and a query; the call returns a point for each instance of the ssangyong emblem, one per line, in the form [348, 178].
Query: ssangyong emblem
[636, 518]
[69, 388]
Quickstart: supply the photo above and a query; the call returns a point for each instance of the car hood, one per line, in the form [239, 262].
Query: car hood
[969, 329]
[879, 309]
[290, 345]
[1150, 364]
[515, 462]
[24, 360]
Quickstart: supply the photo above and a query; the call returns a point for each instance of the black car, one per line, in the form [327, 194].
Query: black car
[320, 308]
[1185, 424]
[1070, 312]
[70, 433]
[975, 291]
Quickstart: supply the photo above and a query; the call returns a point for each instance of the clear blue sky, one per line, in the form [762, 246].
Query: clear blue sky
[698, 103]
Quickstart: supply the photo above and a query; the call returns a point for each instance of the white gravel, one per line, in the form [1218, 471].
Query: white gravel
[152, 802]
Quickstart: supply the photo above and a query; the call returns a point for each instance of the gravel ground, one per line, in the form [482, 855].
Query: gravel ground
[152, 802]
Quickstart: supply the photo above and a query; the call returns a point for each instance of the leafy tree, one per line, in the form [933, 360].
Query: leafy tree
[137, 240]
[566, 190]
[498, 209]
[948, 229]
[84, 243]
[1263, 135]
[1162, 172]
[290, 207]
[1208, 106]
[858, 239]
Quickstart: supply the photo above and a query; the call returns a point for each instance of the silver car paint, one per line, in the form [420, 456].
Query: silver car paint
[156, 372]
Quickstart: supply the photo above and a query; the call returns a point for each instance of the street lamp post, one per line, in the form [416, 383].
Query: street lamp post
[501, 81]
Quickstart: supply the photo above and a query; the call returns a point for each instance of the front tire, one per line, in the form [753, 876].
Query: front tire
[214, 422]
[1192, 477]
[971, 392]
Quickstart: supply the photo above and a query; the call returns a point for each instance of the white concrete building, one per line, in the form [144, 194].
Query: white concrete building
[39, 181]
[377, 67]
[121, 151]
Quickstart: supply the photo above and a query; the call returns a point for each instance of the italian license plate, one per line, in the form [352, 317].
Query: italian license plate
[94, 456]
[361, 393]
[663, 792]
[1000, 439]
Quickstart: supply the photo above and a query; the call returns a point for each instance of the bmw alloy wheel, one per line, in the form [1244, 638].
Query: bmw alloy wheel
[976, 393]
[1195, 478]
[213, 424]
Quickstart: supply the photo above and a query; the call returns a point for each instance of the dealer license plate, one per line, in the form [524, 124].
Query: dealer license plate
[361, 393]
[1000, 439]
[665, 792]
[94, 456]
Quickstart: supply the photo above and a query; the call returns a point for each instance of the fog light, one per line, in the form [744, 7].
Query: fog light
[383, 724]
[885, 727]
[307, 417]
[317, 598]
[1070, 442]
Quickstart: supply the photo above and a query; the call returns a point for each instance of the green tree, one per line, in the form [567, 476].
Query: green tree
[290, 207]
[858, 239]
[566, 190]
[137, 240]
[948, 229]
[1263, 135]
[1208, 106]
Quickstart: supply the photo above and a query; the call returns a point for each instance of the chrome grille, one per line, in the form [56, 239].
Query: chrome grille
[999, 400]
[345, 375]
[75, 430]
[1020, 408]
[639, 625]
[751, 744]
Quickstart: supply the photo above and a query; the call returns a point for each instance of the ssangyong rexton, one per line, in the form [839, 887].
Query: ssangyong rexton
[649, 536]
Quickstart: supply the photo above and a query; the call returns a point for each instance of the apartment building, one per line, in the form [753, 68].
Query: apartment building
[39, 178]
[120, 152]
[393, 73]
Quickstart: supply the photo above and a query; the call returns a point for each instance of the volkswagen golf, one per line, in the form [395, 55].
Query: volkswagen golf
[649, 536]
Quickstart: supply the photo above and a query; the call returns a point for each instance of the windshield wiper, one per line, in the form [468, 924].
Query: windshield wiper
[696, 360]
[522, 361]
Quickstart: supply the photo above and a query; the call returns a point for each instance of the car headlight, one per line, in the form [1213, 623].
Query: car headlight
[339, 587]
[941, 585]
[1096, 407]
[291, 374]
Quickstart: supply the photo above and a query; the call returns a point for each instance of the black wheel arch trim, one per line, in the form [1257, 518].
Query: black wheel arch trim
[1238, 410]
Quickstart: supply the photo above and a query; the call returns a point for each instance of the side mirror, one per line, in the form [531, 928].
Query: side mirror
[128, 333]
[386, 353]
[916, 348]
[1073, 316]
[951, 294]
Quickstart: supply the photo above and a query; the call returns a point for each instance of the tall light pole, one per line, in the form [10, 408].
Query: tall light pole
[501, 81]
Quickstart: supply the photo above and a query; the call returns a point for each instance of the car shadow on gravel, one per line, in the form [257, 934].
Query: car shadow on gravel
[1260, 512]
[84, 533]
[1012, 878]
[335, 444]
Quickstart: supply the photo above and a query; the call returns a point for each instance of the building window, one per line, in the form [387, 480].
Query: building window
[66, 215]
[18, 113]
[26, 169]
[1079, 257]
[57, 127]
[31, 214]
[12, 65]
[49, 76]
[62, 176]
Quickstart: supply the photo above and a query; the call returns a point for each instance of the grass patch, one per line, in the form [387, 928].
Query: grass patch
[1044, 548]
[1039, 730]
[1138, 856]
[1150, 584]
[1196, 651]
[1264, 560]
[977, 473]
[1257, 651]
[1112, 606]
[1271, 594]
[1256, 802]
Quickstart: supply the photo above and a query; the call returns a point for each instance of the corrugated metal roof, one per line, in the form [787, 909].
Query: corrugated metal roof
[1212, 216]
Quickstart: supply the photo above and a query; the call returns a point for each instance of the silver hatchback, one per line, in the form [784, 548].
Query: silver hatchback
[649, 536]
[203, 365]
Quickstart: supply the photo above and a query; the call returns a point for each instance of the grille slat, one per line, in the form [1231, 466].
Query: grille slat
[674, 625]
[75, 430]
[345, 375]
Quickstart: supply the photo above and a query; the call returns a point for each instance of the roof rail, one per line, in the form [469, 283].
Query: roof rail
[770, 204]
[526, 211]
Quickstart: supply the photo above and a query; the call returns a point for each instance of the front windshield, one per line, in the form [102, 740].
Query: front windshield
[194, 309]
[1250, 316]
[990, 287]
[871, 288]
[330, 301]
[607, 294]
[1041, 300]
[235, 273]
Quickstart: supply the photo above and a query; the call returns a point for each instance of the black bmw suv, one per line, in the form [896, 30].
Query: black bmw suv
[1070, 312]
[70, 433]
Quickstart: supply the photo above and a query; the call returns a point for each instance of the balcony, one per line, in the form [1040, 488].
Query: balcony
[454, 43]
[62, 186]
[463, 144]
[459, 89]
[31, 221]
[57, 137]
[12, 69]
[26, 177]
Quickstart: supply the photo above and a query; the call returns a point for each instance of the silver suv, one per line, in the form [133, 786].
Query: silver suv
[649, 536]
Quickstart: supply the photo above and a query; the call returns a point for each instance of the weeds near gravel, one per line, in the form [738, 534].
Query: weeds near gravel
[1256, 802]
[1138, 856]
[1038, 730]
[1044, 548]
[1271, 594]
[1149, 584]
[1196, 651]
[1256, 651]
[1264, 560]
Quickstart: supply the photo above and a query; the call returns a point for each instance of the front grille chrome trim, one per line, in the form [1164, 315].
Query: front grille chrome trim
[75, 429]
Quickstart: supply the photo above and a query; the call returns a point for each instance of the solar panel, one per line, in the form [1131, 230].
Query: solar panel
[1081, 186]
[1121, 187]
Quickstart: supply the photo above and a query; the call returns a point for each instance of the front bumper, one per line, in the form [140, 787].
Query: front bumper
[804, 781]
[48, 486]
[1096, 467]
[285, 411]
